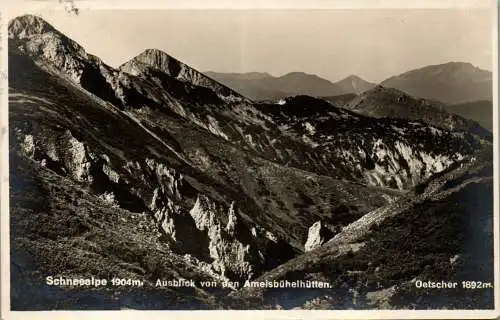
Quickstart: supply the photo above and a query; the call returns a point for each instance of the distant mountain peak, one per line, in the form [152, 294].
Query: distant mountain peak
[352, 77]
[354, 84]
[28, 25]
[300, 76]
[459, 63]
[454, 64]
[154, 52]
[262, 86]
[452, 82]
[382, 101]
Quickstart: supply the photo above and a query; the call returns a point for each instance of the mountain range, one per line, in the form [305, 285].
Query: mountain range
[450, 83]
[260, 86]
[154, 170]
[458, 87]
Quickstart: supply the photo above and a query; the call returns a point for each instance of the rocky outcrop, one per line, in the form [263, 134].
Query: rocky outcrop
[210, 231]
[34, 36]
[60, 152]
[157, 60]
[231, 257]
[319, 233]
[381, 152]
[28, 26]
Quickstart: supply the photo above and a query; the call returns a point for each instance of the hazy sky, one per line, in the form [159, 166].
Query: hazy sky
[333, 44]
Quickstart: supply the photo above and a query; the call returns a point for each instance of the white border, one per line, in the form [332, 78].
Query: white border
[256, 4]
[496, 173]
[4, 168]
[32, 6]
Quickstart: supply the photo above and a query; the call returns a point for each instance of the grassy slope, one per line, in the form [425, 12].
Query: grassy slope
[59, 229]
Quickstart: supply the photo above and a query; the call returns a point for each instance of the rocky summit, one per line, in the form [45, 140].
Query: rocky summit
[153, 62]
[153, 173]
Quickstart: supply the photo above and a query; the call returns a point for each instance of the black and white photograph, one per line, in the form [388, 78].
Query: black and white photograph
[266, 159]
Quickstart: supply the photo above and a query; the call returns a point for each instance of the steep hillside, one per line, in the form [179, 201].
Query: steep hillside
[383, 152]
[153, 62]
[151, 94]
[340, 100]
[479, 111]
[376, 261]
[61, 229]
[451, 83]
[382, 102]
[169, 173]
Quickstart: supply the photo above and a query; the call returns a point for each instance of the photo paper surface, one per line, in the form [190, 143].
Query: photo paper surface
[288, 161]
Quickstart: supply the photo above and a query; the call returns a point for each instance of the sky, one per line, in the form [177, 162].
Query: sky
[372, 43]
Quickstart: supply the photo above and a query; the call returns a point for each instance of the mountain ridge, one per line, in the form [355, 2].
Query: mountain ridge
[159, 173]
[389, 102]
[268, 87]
[161, 61]
[450, 83]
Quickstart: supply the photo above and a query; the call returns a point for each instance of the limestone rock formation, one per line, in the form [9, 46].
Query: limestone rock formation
[319, 233]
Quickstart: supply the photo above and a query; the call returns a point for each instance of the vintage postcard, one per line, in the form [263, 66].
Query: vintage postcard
[276, 160]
